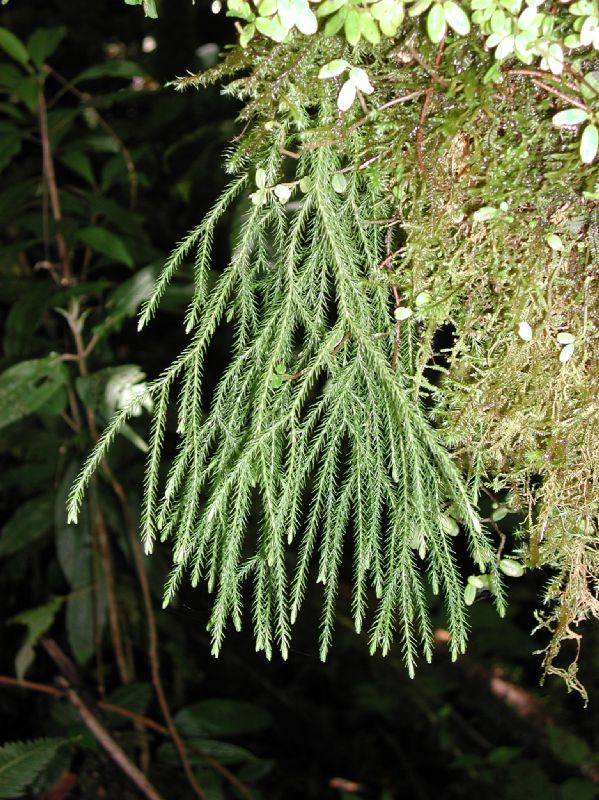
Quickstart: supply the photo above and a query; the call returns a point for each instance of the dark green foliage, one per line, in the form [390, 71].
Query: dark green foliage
[60, 379]
[21, 763]
[30, 386]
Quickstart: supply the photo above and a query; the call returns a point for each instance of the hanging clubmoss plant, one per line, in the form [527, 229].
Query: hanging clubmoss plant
[406, 169]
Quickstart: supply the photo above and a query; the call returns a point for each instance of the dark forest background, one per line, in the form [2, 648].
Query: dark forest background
[103, 169]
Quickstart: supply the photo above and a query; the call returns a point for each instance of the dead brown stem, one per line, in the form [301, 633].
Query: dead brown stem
[112, 599]
[141, 719]
[539, 73]
[152, 631]
[50, 183]
[103, 737]
[425, 65]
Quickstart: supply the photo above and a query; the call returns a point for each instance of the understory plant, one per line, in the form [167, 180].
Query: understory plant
[411, 302]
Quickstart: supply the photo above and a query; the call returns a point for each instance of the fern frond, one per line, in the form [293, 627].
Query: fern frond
[100, 451]
[202, 234]
[22, 762]
[314, 445]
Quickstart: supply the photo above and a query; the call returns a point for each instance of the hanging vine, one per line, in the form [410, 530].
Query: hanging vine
[404, 171]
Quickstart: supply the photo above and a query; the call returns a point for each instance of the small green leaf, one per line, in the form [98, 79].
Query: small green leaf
[422, 299]
[389, 15]
[269, 7]
[240, 9]
[339, 182]
[28, 386]
[419, 8]
[132, 696]
[571, 116]
[246, 35]
[499, 23]
[84, 609]
[305, 20]
[502, 755]
[335, 23]
[353, 28]
[38, 621]
[333, 68]
[260, 178]
[511, 568]
[80, 623]
[564, 337]
[493, 74]
[487, 582]
[14, 47]
[582, 8]
[527, 18]
[22, 762]
[150, 9]
[555, 59]
[436, 25]
[589, 143]
[456, 17]
[283, 193]
[370, 29]
[554, 242]
[499, 514]
[259, 198]
[572, 42]
[485, 213]
[28, 91]
[589, 88]
[476, 581]
[271, 28]
[80, 163]
[28, 524]
[360, 79]
[110, 69]
[589, 30]
[305, 184]
[402, 312]
[329, 7]
[505, 48]
[469, 594]
[106, 243]
[449, 525]
[566, 353]
[43, 42]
